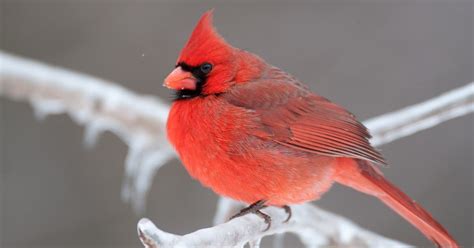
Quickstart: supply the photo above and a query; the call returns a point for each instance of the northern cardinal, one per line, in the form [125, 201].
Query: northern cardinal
[254, 133]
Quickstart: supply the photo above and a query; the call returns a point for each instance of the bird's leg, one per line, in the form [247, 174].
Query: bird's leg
[254, 208]
[288, 212]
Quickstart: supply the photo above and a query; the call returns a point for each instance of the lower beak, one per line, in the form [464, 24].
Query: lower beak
[179, 79]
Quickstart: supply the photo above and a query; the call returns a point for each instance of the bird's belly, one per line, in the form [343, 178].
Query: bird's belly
[281, 179]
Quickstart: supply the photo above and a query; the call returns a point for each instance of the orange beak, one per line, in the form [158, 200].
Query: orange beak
[179, 79]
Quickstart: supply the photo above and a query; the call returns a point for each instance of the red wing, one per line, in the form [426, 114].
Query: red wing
[293, 116]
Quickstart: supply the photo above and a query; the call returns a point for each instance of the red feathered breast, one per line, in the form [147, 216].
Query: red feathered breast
[227, 149]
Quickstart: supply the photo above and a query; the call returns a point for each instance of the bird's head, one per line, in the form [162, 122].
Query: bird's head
[209, 65]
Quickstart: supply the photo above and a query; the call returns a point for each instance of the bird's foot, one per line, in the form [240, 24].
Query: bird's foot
[288, 212]
[255, 208]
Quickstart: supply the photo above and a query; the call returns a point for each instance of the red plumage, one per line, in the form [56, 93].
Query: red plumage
[252, 132]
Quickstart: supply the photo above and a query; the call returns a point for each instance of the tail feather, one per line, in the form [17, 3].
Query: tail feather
[364, 177]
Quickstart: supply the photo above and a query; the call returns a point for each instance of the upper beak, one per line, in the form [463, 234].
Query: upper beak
[179, 79]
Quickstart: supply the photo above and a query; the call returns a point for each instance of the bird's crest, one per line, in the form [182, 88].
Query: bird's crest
[205, 43]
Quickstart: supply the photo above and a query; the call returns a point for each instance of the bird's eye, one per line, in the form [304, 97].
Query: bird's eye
[206, 68]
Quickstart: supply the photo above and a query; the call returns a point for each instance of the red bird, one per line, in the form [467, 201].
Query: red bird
[254, 133]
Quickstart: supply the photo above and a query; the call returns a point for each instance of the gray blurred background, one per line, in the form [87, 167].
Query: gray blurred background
[369, 56]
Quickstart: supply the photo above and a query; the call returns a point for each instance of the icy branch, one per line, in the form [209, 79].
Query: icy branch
[317, 226]
[100, 106]
[139, 121]
[404, 122]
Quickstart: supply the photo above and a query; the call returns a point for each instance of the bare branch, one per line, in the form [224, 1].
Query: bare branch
[140, 120]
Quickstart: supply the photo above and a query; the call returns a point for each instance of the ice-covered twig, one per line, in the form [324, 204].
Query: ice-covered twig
[317, 226]
[412, 119]
[100, 106]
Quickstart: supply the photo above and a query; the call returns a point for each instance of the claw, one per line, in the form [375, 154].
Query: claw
[288, 211]
[266, 217]
[254, 208]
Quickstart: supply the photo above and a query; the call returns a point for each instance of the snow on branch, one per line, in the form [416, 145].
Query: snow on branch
[139, 121]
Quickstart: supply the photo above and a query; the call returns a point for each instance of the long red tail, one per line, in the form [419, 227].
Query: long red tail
[363, 176]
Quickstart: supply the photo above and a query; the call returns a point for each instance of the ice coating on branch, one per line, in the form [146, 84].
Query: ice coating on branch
[404, 122]
[43, 108]
[98, 105]
[314, 226]
[145, 157]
